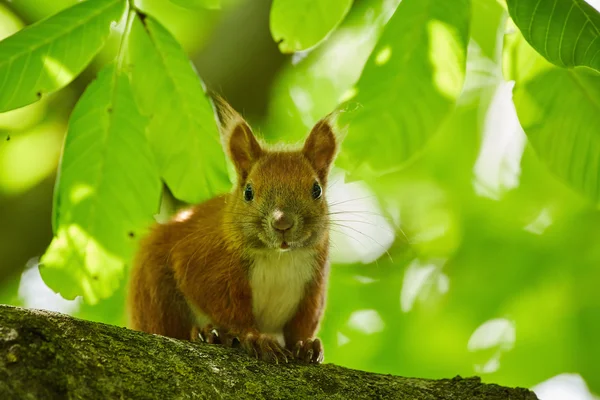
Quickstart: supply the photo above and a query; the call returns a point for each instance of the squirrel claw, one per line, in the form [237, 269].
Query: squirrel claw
[265, 348]
[309, 351]
[209, 334]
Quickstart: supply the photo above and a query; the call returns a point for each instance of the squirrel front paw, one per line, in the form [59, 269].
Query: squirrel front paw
[264, 347]
[309, 350]
[212, 335]
[207, 333]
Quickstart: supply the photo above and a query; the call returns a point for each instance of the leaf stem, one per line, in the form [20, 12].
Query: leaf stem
[131, 11]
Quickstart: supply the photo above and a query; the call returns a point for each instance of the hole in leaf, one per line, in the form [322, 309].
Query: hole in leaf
[131, 234]
[39, 95]
[7, 138]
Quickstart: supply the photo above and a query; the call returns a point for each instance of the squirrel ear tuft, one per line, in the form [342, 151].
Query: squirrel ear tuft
[239, 141]
[320, 148]
[244, 149]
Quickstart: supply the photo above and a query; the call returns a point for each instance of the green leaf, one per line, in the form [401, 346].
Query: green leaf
[409, 85]
[107, 191]
[301, 24]
[307, 89]
[196, 4]
[565, 32]
[559, 110]
[183, 132]
[49, 54]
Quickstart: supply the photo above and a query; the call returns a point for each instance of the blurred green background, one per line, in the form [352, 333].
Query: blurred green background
[476, 261]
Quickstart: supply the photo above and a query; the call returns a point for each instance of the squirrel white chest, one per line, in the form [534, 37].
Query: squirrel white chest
[278, 283]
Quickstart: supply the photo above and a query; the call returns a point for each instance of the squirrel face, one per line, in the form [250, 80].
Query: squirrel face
[279, 200]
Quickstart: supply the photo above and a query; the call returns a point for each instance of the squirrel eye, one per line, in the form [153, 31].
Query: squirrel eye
[316, 191]
[248, 193]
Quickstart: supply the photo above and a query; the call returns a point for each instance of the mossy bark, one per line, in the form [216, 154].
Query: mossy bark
[46, 355]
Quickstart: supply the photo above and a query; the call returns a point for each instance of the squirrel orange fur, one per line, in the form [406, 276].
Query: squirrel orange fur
[249, 267]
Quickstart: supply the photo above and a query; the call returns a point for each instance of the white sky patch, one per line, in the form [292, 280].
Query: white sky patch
[359, 230]
[564, 386]
[594, 3]
[366, 321]
[498, 166]
[35, 294]
[421, 280]
[498, 335]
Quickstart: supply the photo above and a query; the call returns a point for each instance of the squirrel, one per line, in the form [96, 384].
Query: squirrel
[249, 268]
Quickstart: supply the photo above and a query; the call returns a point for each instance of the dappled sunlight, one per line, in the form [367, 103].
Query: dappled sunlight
[563, 387]
[423, 281]
[431, 221]
[9, 22]
[492, 338]
[80, 192]
[36, 294]
[384, 55]
[444, 47]
[26, 158]
[57, 71]
[348, 46]
[365, 280]
[541, 222]
[75, 254]
[314, 82]
[342, 339]
[349, 94]
[304, 103]
[498, 166]
[24, 117]
[482, 73]
[366, 321]
[359, 230]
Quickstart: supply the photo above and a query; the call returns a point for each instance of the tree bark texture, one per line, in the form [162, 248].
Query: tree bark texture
[45, 355]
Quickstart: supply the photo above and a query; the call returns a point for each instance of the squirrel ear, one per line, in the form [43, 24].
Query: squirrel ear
[320, 148]
[240, 144]
[243, 149]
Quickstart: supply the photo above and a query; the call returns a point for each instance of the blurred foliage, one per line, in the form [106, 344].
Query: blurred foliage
[407, 87]
[473, 258]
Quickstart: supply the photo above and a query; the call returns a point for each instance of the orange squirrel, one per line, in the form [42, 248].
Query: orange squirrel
[249, 267]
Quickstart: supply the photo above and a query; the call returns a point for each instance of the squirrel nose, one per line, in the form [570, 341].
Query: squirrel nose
[281, 221]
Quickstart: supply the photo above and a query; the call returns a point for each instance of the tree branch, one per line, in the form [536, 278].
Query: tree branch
[45, 355]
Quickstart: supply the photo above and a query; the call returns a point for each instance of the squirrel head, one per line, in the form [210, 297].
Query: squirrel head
[278, 202]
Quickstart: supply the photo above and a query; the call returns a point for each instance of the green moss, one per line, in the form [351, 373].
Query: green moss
[53, 356]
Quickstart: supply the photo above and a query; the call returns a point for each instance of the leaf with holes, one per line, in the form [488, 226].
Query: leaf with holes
[183, 132]
[301, 24]
[49, 54]
[559, 109]
[107, 191]
[565, 32]
[409, 85]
